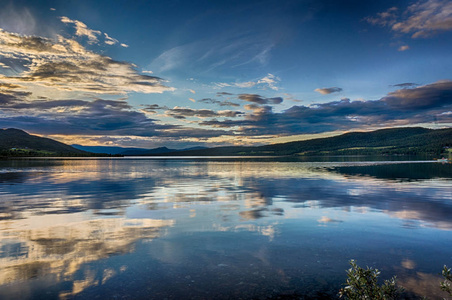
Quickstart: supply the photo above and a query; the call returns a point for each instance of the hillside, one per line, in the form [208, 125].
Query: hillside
[15, 142]
[394, 141]
[131, 151]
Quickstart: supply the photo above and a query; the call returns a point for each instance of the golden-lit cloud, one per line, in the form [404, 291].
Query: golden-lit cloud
[66, 65]
[82, 30]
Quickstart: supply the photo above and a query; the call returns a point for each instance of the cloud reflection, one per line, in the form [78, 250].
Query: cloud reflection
[59, 217]
[59, 246]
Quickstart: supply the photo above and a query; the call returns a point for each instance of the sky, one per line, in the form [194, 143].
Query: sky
[212, 73]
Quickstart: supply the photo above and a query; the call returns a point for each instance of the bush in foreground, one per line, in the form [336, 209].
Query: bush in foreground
[363, 284]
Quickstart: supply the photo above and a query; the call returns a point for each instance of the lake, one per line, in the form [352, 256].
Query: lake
[251, 228]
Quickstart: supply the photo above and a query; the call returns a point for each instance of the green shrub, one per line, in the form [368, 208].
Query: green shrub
[445, 285]
[363, 284]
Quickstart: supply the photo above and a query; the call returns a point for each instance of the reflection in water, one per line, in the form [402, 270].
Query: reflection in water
[216, 229]
[42, 246]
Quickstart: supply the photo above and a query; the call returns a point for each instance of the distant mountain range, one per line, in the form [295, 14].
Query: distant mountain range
[394, 141]
[131, 151]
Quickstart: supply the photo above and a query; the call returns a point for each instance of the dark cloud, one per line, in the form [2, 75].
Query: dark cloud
[153, 107]
[326, 91]
[219, 94]
[220, 103]
[427, 103]
[259, 99]
[181, 113]
[98, 117]
[433, 95]
[405, 85]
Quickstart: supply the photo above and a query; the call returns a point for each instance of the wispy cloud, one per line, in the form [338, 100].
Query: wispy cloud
[421, 19]
[268, 82]
[82, 30]
[228, 51]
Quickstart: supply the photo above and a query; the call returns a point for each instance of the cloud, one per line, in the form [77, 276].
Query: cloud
[66, 65]
[82, 30]
[218, 102]
[386, 18]
[259, 99]
[326, 91]
[404, 48]
[17, 19]
[406, 85]
[2, 65]
[109, 40]
[270, 81]
[99, 117]
[182, 113]
[438, 94]
[223, 51]
[406, 106]
[153, 107]
[421, 19]
[219, 94]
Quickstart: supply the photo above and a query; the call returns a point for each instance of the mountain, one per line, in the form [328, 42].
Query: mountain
[156, 151]
[106, 149]
[393, 141]
[15, 142]
[131, 151]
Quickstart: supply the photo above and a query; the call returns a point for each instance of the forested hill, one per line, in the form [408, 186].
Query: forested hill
[15, 142]
[401, 141]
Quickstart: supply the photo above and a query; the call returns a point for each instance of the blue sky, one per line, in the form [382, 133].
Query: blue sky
[186, 73]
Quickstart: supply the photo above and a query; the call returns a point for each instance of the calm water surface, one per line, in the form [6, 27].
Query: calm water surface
[218, 229]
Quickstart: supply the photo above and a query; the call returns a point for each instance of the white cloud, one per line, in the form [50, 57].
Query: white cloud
[109, 40]
[269, 81]
[82, 30]
[404, 48]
